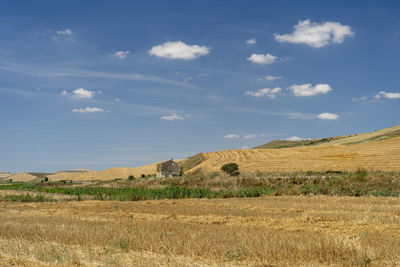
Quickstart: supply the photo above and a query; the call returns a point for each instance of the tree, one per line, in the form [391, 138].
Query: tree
[230, 168]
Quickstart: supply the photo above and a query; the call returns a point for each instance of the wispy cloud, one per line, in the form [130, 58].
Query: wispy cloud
[172, 117]
[121, 54]
[64, 32]
[387, 95]
[80, 93]
[294, 138]
[262, 59]
[362, 98]
[179, 50]
[328, 116]
[88, 110]
[34, 71]
[272, 78]
[231, 136]
[316, 34]
[309, 90]
[271, 93]
[251, 41]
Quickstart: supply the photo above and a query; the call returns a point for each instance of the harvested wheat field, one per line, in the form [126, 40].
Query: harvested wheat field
[270, 231]
[377, 155]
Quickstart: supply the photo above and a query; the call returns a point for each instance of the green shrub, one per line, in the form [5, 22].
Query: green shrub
[131, 178]
[143, 175]
[230, 168]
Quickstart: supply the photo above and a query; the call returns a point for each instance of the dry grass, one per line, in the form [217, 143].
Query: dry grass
[283, 231]
[378, 155]
[368, 152]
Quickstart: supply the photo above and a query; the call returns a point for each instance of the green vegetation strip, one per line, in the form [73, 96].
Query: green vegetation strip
[359, 183]
[133, 194]
[25, 198]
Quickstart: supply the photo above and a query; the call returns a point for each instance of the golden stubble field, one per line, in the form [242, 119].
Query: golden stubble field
[269, 231]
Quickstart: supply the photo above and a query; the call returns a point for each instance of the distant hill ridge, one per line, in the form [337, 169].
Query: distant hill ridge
[378, 150]
[337, 140]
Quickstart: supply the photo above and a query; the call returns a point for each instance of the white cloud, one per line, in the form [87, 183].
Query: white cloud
[172, 117]
[359, 98]
[309, 90]
[387, 95]
[316, 34]
[328, 116]
[65, 92]
[179, 50]
[88, 110]
[121, 54]
[250, 136]
[80, 93]
[117, 99]
[271, 93]
[262, 59]
[300, 116]
[251, 41]
[231, 136]
[272, 78]
[64, 32]
[294, 138]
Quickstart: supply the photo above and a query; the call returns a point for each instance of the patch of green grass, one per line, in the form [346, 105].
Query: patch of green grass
[359, 183]
[25, 198]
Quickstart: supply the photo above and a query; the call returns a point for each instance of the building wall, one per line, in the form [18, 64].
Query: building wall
[168, 168]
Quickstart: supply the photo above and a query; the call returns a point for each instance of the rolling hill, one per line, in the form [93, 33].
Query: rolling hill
[378, 150]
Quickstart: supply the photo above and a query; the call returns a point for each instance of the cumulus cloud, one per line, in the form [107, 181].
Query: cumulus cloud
[262, 59]
[64, 32]
[294, 138]
[387, 95]
[328, 116]
[272, 78]
[309, 90]
[316, 34]
[121, 54]
[80, 93]
[251, 41]
[88, 110]
[179, 50]
[271, 93]
[231, 136]
[171, 117]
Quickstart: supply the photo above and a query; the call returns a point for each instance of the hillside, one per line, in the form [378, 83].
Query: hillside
[378, 155]
[379, 150]
[337, 140]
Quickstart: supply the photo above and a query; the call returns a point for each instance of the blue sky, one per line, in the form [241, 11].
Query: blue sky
[99, 84]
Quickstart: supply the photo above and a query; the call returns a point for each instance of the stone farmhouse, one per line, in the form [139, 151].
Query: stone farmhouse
[167, 168]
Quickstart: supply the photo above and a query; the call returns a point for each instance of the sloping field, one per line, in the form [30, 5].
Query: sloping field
[22, 177]
[108, 174]
[379, 150]
[337, 140]
[270, 231]
[377, 155]
[367, 137]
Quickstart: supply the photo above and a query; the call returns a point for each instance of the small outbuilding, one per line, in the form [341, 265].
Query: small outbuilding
[167, 168]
